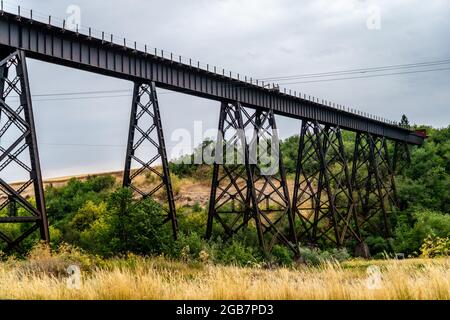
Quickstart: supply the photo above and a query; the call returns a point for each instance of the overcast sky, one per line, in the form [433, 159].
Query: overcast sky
[259, 38]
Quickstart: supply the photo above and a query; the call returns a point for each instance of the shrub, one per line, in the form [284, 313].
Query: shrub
[87, 214]
[189, 246]
[314, 256]
[64, 201]
[41, 259]
[237, 254]
[128, 226]
[426, 223]
[282, 255]
[435, 247]
[377, 245]
[196, 207]
[192, 221]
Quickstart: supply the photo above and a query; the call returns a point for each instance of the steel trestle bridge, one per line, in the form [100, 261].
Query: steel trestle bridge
[333, 199]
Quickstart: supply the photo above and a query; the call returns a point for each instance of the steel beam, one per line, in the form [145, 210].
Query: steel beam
[146, 128]
[323, 196]
[85, 52]
[243, 189]
[373, 179]
[20, 127]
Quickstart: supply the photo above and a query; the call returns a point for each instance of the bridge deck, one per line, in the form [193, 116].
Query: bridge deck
[56, 45]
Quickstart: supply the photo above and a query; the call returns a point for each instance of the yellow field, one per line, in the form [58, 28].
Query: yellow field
[159, 278]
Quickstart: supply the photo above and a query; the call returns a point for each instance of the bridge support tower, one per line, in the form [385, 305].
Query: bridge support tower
[145, 131]
[18, 149]
[323, 199]
[245, 190]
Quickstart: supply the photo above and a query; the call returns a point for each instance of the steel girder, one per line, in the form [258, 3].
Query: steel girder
[145, 127]
[245, 192]
[57, 45]
[18, 147]
[323, 195]
[373, 181]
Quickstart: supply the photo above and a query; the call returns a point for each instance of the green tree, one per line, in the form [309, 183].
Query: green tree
[136, 227]
[404, 122]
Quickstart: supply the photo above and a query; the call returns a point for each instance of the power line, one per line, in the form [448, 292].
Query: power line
[83, 98]
[87, 93]
[78, 93]
[61, 94]
[292, 77]
[361, 70]
[102, 145]
[368, 76]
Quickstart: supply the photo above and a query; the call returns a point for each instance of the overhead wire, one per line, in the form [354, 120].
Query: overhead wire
[360, 70]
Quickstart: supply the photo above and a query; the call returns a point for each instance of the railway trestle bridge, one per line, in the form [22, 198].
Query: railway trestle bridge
[332, 198]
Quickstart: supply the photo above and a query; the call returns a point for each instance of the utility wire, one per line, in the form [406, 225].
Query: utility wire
[62, 94]
[361, 70]
[104, 145]
[367, 76]
[322, 75]
[292, 77]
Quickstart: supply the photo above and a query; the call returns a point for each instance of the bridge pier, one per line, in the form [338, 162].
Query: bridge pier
[323, 195]
[243, 189]
[373, 181]
[20, 130]
[145, 126]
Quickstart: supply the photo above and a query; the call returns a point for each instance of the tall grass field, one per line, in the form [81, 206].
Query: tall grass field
[44, 276]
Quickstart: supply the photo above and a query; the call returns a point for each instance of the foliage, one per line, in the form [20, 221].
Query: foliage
[409, 238]
[435, 247]
[193, 164]
[130, 226]
[377, 245]
[189, 247]
[315, 256]
[99, 219]
[282, 255]
[237, 253]
[404, 122]
[64, 201]
[425, 183]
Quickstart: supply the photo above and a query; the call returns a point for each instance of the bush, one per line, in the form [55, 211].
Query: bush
[377, 245]
[192, 247]
[192, 221]
[426, 223]
[41, 260]
[435, 247]
[87, 214]
[282, 255]
[196, 207]
[128, 226]
[314, 256]
[237, 254]
[64, 201]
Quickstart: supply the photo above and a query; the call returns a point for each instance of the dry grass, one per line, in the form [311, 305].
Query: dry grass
[158, 278]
